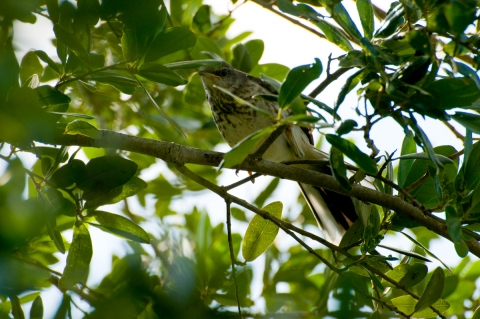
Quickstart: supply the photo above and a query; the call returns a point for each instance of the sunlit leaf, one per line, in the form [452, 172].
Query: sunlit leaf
[120, 226]
[82, 128]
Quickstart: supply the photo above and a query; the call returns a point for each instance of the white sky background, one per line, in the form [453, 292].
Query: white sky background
[285, 44]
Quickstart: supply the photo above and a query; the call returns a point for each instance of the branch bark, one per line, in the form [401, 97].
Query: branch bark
[179, 155]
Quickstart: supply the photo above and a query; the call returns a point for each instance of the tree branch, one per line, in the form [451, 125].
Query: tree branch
[178, 155]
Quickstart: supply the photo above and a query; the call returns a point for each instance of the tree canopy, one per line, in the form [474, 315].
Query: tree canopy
[117, 129]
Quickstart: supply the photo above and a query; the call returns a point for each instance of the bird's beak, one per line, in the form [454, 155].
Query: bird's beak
[208, 75]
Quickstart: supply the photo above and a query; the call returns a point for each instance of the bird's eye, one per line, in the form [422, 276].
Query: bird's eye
[223, 73]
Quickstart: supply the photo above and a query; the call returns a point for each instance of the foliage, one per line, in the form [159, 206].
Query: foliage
[130, 67]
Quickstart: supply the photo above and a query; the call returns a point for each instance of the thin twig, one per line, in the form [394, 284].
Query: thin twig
[232, 255]
[269, 141]
[241, 182]
[454, 131]
[113, 66]
[329, 79]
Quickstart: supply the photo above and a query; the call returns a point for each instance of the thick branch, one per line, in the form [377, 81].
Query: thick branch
[178, 154]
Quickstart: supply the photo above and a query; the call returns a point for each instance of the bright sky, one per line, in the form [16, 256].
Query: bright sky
[285, 44]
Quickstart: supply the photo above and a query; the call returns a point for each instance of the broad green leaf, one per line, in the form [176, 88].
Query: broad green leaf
[161, 74]
[407, 303]
[240, 151]
[353, 152]
[275, 71]
[79, 127]
[341, 16]
[78, 259]
[339, 169]
[90, 11]
[117, 80]
[105, 173]
[261, 232]
[371, 230]
[36, 312]
[288, 7]
[468, 72]
[297, 80]
[131, 188]
[30, 65]
[201, 20]
[461, 248]
[71, 41]
[468, 120]
[455, 92]
[346, 127]
[408, 147]
[206, 47]
[172, 40]
[255, 49]
[407, 275]
[120, 226]
[241, 58]
[68, 174]
[460, 15]
[365, 11]
[352, 59]
[334, 35]
[433, 291]
[51, 99]
[192, 64]
[238, 214]
[472, 167]
[453, 224]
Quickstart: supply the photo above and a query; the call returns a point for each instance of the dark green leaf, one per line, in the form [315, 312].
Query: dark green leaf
[121, 226]
[30, 65]
[468, 120]
[241, 58]
[407, 275]
[201, 20]
[341, 16]
[453, 224]
[426, 144]
[365, 11]
[275, 71]
[261, 232]
[131, 188]
[407, 304]
[339, 169]
[161, 74]
[455, 92]
[416, 242]
[17, 311]
[78, 259]
[79, 127]
[334, 35]
[353, 152]
[172, 40]
[89, 10]
[472, 167]
[70, 40]
[353, 58]
[350, 84]
[408, 147]
[122, 83]
[68, 174]
[297, 80]
[461, 248]
[255, 49]
[346, 127]
[476, 314]
[105, 173]
[51, 99]
[192, 64]
[433, 291]
[36, 312]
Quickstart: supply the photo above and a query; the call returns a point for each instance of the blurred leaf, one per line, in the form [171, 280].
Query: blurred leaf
[472, 167]
[455, 92]
[392, 21]
[69, 174]
[407, 304]
[89, 10]
[30, 65]
[365, 11]
[353, 152]
[241, 58]
[273, 70]
[468, 120]
[172, 40]
[71, 41]
[461, 248]
[406, 253]
[117, 80]
[79, 127]
[408, 147]
[422, 156]
[161, 74]
[476, 314]
[433, 291]
[334, 35]
[261, 232]
[17, 311]
[201, 20]
[120, 226]
[131, 188]
[255, 48]
[36, 312]
[192, 64]
[339, 169]
[453, 224]
[346, 127]
[78, 259]
[297, 80]
[266, 193]
[407, 275]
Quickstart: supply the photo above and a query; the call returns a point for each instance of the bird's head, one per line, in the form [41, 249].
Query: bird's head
[224, 76]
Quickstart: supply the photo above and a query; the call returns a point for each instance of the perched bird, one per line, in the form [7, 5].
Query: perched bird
[334, 212]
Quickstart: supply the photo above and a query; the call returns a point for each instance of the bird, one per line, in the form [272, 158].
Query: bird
[235, 120]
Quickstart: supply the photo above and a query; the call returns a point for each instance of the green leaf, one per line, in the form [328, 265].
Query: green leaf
[131, 188]
[105, 173]
[476, 314]
[192, 64]
[341, 16]
[353, 152]
[339, 169]
[261, 232]
[51, 99]
[30, 65]
[455, 92]
[71, 41]
[365, 11]
[255, 48]
[407, 303]
[346, 127]
[350, 84]
[453, 224]
[161, 74]
[17, 311]
[68, 174]
[201, 20]
[334, 35]
[79, 127]
[392, 21]
[240, 151]
[352, 59]
[117, 80]
[275, 71]
[172, 40]
[461, 248]
[36, 312]
[472, 167]
[419, 244]
[433, 291]
[78, 259]
[90, 11]
[297, 80]
[468, 120]
[407, 275]
[422, 156]
[408, 147]
[426, 144]
[406, 253]
[120, 226]
[241, 58]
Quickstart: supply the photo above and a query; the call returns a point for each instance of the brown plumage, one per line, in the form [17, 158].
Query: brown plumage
[235, 121]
